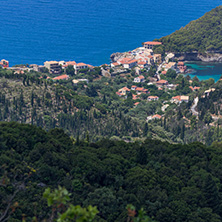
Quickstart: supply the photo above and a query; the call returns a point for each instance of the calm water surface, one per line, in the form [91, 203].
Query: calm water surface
[205, 70]
[33, 31]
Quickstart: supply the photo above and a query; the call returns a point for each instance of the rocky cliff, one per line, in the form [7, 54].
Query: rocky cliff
[204, 57]
[120, 55]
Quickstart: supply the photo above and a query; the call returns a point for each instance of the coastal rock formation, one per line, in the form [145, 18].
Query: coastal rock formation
[119, 55]
[206, 57]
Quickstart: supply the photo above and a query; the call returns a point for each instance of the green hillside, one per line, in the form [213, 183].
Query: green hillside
[171, 182]
[201, 35]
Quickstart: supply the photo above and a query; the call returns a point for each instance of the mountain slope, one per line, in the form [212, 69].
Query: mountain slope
[201, 35]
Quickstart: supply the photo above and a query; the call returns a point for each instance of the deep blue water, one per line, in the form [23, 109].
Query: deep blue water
[33, 31]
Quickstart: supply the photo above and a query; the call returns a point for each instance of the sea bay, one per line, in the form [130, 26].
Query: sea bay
[205, 70]
[33, 31]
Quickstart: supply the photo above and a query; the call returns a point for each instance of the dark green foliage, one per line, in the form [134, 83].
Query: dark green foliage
[201, 35]
[170, 182]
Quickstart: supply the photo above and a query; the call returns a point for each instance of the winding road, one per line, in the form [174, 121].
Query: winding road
[193, 107]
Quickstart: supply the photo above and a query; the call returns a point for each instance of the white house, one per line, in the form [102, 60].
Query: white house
[139, 79]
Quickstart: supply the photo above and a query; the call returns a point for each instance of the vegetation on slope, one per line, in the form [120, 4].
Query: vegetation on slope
[171, 182]
[201, 35]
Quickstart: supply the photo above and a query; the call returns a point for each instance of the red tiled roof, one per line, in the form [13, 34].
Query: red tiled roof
[131, 61]
[191, 87]
[157, 116]
[180, 63]
[162, 81]
[164, 72]
[115, 64]
[141, 77]
[153, 97]
[177, 98]
[124, 60]
[124, 88]
[141, 63]
[139, 89]
[61, 77]
[152, 43]
[135, 104]
[81, 64]
[134, 97]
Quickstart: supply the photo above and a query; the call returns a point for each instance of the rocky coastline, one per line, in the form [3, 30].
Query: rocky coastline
[204, 57]
[192, 56]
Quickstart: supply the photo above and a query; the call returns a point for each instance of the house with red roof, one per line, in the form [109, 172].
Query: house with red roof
[139, 79]
[123, 60]
[152, 98]
[162, 82]
[180, 99]
[157, 58]
[134, 97]
[130, 64]
[114, 64]
[80, 65]
[69, 63]
[133, 87]
[123, 91]
[62, 77]
[150, 44]
[140, 90]
[156, 116]
[4, 63]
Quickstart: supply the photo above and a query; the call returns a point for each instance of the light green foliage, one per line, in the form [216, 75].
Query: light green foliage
[59, 198]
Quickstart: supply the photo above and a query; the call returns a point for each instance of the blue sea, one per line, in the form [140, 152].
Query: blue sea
[33, 31]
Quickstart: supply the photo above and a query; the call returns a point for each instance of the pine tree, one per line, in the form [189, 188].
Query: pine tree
[145, 130]
[211, 194]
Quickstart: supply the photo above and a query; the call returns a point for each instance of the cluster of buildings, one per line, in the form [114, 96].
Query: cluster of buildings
[142, 57]
[56, 67]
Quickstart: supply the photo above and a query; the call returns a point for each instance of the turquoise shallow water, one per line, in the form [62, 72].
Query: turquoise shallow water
[205, 70]
[33, 31]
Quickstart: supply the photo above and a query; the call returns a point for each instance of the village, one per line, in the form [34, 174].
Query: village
[148, 83]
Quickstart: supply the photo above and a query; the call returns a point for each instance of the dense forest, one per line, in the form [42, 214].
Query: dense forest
[170, 182]
[201, 35]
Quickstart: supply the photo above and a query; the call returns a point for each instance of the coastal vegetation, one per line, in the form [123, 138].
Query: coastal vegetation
[202, 35]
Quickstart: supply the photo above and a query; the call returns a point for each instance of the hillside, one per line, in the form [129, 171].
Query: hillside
[94, 110]
[201, 36]
[171, 182]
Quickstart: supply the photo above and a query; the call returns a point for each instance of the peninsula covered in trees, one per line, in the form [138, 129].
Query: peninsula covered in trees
[202, 36]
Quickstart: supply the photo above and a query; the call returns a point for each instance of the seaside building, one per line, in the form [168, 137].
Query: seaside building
[157, 58]
[150, 45]
[53, 67]
[127, 63]
[4, 63]
[80, 65]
